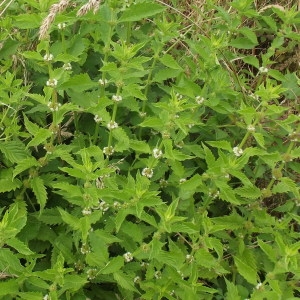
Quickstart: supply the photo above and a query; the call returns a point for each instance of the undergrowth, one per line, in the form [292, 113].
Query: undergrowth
[149, 150]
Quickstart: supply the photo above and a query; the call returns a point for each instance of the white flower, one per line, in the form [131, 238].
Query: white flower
[163, 183]
[157, 274]
[51, 82]
[214, 194]
[48, 57]
[103, 206]
[54, 106]
[61, 26]
[258, 286]
[117, 98]
[108, 150]
[199, 100]
[86, 211]
[237, 151]
[97, 119]
[136, 279]
[103, 82]
[142, 114]
[112, 125]
[157, 153]
[85, 248]
[117, 205]
[91, 273]
[67, 67]
[128, 257]
[46, 297]
[148, 172]
[179, 96]
[263, 70]
[189, 258]
[191, 125]
[251, 128]
[182, 180]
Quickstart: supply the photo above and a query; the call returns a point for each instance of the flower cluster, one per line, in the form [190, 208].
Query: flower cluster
[263, 70]
[112, 125]
[85, 248]
[199, 100]
[67, 67]
[148, 172]
[91, 273]
[117, 98]
[51, 82]
[48, 57]
[128, 257]
[108, 151]
[54, 106]
[251, 128]
[86, 211]
[157, 153]
[237, 151]
[97, 119]
[103, 81]
[61, 26]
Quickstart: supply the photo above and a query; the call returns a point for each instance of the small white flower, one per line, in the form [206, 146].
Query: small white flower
[61, 26]
[191, 125]
[51, 82]
[199, 100]
[182, 180]
[157, 153]
[117, 98]
[108, 150]
[91, 273]
[53, 106]
[142, 114]
[112, 125]
[128, 257]
[48, 57]
[179, 96]
[103, 206]
[97, 119]
[163, 183]
[253, 96]
[136, 279]
[251, 128]
[46, 297]
[237, 151]
[263, 70]
[117, 205]
[85, 248]
[148, 172]
[181, 274]
[157, 274]
[189, 258]
[67, 67]
[103, 82]
[214, 194]
[258, 286]
[172, 293]
[86, 211]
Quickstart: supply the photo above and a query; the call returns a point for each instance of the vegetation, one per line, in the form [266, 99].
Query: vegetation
[149, 150]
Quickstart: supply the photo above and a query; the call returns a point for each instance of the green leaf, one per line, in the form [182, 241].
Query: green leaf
[24, 164]
[7, 182]
[134, 90]
[248, 272]
[259, 139]
[124, 281]
[40, 137]
[10, 262]
[28, 21]
[14, 151]
[250, 34]
[39, 190]
[221, 145]
[242, 43]
[251, 60]
[122, 139]
[30, 295]
[140, 11]
[79, 83]
[152, 122]
[249, 191]
[19, 246]
[9, 287]
[139, 146]
[286, 185]
[189, 187]
[114, 265]
[209, 157]
[74, 282]
[268, 249]
[69, 219]
[170, 62]
[232, 291]
[231, 222]
[205, 259]
[164, 74]
[226, 192]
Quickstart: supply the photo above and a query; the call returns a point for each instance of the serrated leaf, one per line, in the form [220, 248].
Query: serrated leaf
[40, 137]
[8, 287]
[20, 246]
[268, 249]
[124, 281]
[231, 222]
[152, 122]
[134, 90]
[227, 193]
[69, 219]
[170, 62]
[79, 83]
[114, 265]
[7, 182]
[209, 157]
[74, 282]
[140, 11]
[189, 187]
[232, 291]
[24, 165]
[250, 192]
[251, 60]
[205, 259]
[28, 21]
[163, 74]
[259, 139]
[14, 151]
[221, 145]
[32, 55]
[246, 270]
[139, 146]
[10, 262]
[39, 190]
[242, 43]
[122, 139]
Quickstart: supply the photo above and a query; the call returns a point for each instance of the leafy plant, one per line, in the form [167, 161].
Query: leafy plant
[149, 153]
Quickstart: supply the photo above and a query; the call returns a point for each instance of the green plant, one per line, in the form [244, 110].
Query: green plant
[144, 156]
